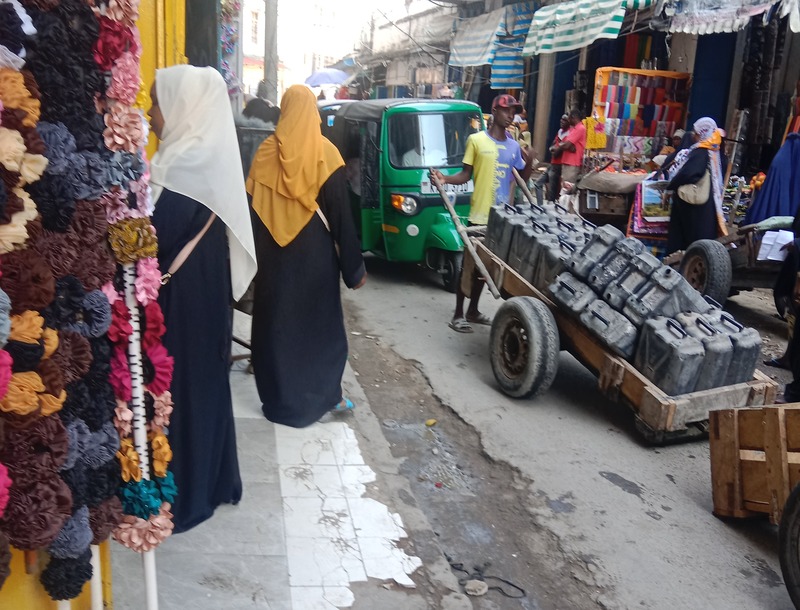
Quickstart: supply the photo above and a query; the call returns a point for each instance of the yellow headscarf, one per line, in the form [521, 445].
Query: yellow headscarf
[291, 166]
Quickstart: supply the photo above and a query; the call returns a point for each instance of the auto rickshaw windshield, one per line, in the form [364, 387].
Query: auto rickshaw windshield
[430, 139]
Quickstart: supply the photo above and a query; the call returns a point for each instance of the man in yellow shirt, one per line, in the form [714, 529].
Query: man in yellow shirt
[488, 159]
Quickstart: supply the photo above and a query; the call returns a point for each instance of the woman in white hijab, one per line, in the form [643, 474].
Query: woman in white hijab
[206, 249]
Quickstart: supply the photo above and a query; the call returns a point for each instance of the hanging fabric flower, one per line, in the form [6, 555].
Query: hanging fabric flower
[116, 204]
[104, 518]
[114, 40]
[102, 447]
[64, 578]
[124, 129]
[168, 488]
[144, 197]
[163, 366]
[140, 498]
[12, 149]
[5, 485]
[125, 80]
[5, 372]
[26, 327]
[142, 535]
[74, 355]
[162, 454]
[74, 538]
[16, 95]
[148, 281]
[133, 239]
[162, 410]
[79, 435]
[120, 378]
[50, 404]
[50, 339]
[129, 462]
[52, 377]
[5, 317]
[22, 396]
[111, 293]
[28, 281]
[39, 504]
[123, 419]
[95, 316]
[31, 168]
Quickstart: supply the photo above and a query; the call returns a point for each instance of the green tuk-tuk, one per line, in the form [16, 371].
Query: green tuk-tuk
[388, 146]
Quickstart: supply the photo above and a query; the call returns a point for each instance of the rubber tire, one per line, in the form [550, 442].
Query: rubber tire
[717, 261]
[453, 262]
[789, 541]
[534, 372]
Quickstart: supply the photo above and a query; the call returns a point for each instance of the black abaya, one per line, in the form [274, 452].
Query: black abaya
[198, 315]
[689, 222]
[298, 344]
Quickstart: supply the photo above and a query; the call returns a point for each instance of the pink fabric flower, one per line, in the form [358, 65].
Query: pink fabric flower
[163, 364]
[125, 81]
[124, 11]
[120, 378]
[5, 372]
[123, 419]
[116, 205]
[120, 329]
[154, 328]
[144, 535]
[148, 280]
[124, 129]
[115, 39]
[111, 293]
[144, 198]
[5, 485]
[163, 410]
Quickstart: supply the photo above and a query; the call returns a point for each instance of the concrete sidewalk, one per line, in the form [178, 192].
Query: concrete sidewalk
[314, 529]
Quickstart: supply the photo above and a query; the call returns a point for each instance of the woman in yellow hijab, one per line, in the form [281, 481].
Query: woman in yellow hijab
[305, 241]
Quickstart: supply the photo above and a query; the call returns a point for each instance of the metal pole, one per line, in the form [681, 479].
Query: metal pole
[271, 49]
[464, 237]
[97, 579]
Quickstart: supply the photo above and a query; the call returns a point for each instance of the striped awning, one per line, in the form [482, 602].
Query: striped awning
[573, 25]
[477, 40]
[695, 19]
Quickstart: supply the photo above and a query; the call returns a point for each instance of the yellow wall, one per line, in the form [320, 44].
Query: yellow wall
[162, 26]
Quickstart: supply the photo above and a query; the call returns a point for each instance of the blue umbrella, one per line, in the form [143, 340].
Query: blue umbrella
[327, 76]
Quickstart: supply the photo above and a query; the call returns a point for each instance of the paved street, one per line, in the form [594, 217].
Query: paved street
[558, 496]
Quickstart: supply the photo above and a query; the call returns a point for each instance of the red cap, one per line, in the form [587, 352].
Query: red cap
[506, 101]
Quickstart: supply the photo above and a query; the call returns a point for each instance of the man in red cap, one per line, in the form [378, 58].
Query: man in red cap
[488, 159]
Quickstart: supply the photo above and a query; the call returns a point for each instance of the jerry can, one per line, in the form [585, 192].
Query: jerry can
[571, 294]
[612, 328]
[718, 348]
[630, 280]
[613, 263]
[666, 293]
[552, 257]
[746, 346]
[584, 260]
[668, 356]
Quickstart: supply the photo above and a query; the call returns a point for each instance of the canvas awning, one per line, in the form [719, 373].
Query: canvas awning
[495, 38]
[704, 17]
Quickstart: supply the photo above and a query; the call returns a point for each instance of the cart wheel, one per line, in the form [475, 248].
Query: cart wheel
[707, 267]
[524, 347]
[452, 270]
[789, 540]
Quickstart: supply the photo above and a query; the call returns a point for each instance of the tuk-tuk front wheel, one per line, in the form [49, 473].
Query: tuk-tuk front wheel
[451, 270]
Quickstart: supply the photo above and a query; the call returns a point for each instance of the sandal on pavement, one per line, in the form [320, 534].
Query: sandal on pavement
[345, 405]
[481, 319]
[460, 325]
[776, 363]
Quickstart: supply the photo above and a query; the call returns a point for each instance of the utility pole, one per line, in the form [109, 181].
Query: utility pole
[271, 49]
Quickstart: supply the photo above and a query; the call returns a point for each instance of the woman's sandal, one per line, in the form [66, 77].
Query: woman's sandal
[777, 363]
[460, 325]
[344, 406]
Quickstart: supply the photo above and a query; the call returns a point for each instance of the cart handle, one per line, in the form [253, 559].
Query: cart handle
[673, 325]
[726, 317]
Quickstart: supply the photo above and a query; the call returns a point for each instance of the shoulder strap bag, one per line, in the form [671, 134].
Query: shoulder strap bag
[697, 193]
[178, 261]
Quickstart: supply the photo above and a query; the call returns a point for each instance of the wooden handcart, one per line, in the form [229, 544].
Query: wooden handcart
[529, 331]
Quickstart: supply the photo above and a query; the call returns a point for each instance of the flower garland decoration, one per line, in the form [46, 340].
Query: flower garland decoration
[229, 11]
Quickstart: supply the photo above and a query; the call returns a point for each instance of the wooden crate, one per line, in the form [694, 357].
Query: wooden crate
[755, 459]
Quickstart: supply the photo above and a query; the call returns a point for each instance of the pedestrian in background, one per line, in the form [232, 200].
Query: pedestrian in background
[552, 177]
[305, 241]
[199, 196]
[572, 147]
[488, 159]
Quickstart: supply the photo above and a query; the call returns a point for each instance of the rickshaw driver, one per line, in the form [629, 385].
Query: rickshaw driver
[488, 159]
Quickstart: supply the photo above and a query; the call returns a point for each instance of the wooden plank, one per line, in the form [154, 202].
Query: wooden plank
[726, 484]
[792, 428]
[694, 407]
[751, 429]
[777, 465]
[755, 484]
[611, 378]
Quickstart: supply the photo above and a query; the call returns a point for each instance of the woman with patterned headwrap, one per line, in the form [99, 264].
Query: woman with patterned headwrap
[692, 221]
[305, 241]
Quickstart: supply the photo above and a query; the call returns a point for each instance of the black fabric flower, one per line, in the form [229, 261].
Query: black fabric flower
[100, 409]
[67, 304]
[53, 196]
[25, 356]
[64, 578]
[77, 480]
[103, 483]
[77, 401]
[11, 34]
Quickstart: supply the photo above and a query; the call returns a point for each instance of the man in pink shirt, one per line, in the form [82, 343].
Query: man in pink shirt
[572, 148]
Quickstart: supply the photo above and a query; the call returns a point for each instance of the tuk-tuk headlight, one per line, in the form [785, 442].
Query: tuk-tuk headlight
[406, 205]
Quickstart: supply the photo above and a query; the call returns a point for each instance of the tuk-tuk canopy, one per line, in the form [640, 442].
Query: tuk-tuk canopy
[373, 110]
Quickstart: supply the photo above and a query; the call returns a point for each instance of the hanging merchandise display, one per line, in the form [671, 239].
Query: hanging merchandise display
[229, 11]
[84, 379]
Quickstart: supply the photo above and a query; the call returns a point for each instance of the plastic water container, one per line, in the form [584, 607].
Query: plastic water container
[571, 294]
[613, 329]
[718, 348]
[522, 255]
[583, 261]
[503, 220]
[746, 346]
[669, 357]
[614, 262]
[666, 293]
[552, 258]
[630, 280]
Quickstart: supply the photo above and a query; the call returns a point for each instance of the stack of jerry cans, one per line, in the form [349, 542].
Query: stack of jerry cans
[668, 356]
[746, 346]
[522, 256]
[666, 293]
[613, 263]
[602, 240]
[630, 280]
[718, 349]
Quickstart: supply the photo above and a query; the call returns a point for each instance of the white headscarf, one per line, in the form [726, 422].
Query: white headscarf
[199, 157]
